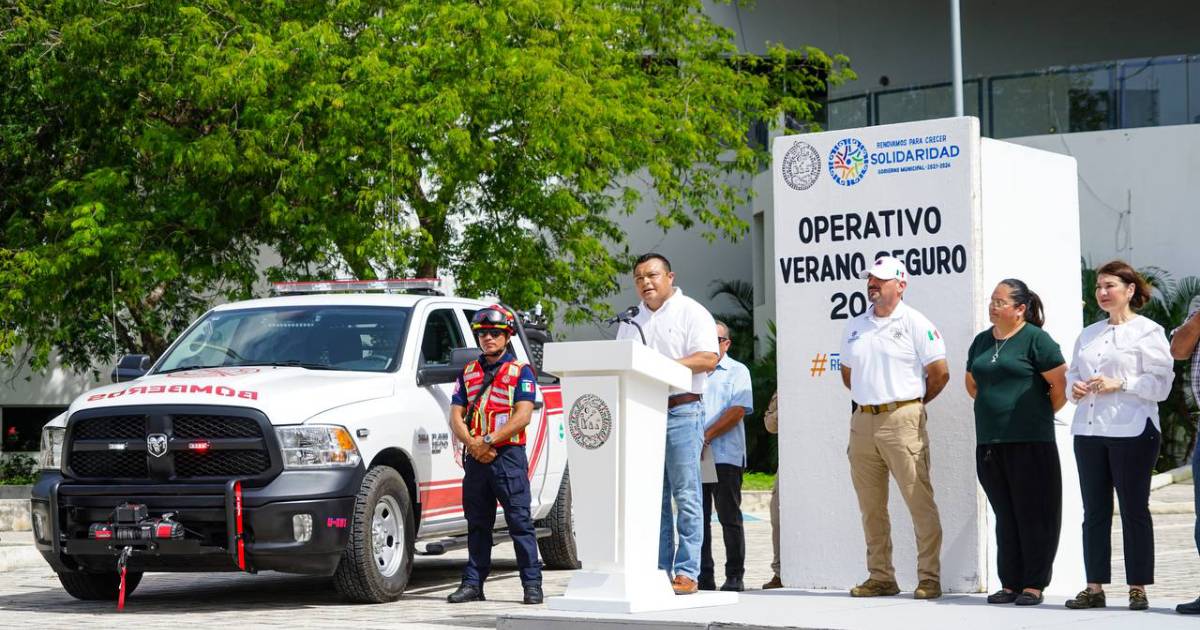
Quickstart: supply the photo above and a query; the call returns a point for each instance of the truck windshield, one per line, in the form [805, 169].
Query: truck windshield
[352, 338]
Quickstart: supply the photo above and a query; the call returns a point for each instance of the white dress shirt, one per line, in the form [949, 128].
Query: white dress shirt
[1136, 351]
[887, 355]
[680, 327]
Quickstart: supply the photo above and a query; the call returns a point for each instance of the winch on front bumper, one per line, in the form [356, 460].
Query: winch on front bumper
[216, 470]
[298, 523]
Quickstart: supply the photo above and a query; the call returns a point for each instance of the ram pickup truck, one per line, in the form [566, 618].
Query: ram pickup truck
[303, 433]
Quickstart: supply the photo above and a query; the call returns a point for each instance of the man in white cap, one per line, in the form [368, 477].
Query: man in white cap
[894, 363]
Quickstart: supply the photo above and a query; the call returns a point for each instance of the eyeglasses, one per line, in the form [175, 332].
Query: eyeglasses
[489, 332]
[722, 339]
[1000, 303]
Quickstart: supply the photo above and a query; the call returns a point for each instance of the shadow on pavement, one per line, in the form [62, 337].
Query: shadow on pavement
[160, 593]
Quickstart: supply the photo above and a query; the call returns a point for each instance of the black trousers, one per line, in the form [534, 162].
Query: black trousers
[505, 480]
[1023, 482]
[1125, 464]
[727, 493]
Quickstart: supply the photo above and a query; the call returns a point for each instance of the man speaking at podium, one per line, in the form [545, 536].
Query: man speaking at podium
[679, 328]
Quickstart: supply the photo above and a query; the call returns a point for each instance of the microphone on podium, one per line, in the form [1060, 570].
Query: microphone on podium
[626, 317]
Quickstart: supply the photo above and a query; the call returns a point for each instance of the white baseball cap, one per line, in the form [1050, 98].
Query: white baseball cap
[886, 268]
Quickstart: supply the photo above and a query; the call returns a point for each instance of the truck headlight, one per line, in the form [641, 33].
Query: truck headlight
[50, 453]
[317, 446]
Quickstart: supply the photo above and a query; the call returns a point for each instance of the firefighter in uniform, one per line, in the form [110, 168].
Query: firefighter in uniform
[492, 404]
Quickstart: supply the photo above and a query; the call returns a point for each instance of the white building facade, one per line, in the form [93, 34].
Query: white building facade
[1115, 86]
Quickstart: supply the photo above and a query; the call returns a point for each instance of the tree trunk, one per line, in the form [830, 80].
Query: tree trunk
[432, 219]
[359, 265]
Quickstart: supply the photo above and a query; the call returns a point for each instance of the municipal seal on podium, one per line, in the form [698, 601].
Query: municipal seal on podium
[590, 421]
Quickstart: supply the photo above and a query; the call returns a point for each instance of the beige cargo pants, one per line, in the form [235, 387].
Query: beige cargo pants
[896, 442]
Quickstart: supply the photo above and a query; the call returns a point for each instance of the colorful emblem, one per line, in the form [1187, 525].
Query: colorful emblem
[848, 162]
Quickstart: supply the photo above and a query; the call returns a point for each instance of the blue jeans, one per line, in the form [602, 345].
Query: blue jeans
[681, 480]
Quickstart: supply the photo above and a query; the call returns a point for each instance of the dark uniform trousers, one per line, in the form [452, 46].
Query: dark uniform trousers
[504, 480]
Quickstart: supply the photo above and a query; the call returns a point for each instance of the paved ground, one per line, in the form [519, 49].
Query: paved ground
[30, 594]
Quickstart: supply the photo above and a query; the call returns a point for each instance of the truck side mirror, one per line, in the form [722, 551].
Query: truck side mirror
[439, 374]
[131, 366]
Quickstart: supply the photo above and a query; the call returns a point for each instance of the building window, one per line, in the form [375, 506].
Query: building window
[21, 427]
[760, 245]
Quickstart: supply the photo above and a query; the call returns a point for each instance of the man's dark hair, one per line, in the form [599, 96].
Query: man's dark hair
[647, 257]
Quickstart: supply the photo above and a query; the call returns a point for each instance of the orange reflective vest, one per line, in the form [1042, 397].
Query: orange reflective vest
[496, 404]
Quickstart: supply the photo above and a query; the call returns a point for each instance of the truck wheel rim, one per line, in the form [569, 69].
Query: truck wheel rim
[387, 539]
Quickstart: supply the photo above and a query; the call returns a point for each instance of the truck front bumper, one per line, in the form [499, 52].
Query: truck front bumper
[269, 537]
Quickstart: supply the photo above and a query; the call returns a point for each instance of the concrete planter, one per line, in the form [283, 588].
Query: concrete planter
[756, 501]
[14, 515]
[15, 492]
[14, 508]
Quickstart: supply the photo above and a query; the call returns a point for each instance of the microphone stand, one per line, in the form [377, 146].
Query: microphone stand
[629, 320]
[626, 317]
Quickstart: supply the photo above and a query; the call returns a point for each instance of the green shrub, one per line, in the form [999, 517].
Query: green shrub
[17, 470]
[752, 481]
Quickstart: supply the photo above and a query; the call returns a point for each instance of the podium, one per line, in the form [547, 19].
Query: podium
[615, 416]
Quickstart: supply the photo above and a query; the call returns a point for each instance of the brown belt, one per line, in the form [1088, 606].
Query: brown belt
[886, 407]
[682, 399]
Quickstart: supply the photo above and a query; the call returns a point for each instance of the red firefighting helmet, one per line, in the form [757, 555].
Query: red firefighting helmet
[494, 317]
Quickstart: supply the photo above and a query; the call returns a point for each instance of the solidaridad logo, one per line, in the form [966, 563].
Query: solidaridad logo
[590, 421]
[801, 166]
[848, 162]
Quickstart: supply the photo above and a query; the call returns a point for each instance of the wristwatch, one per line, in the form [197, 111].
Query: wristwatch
[487, 439]
[1124, 385]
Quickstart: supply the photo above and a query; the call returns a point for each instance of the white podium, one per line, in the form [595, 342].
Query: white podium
[615, 406]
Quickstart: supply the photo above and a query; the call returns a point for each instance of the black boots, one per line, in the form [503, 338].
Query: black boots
[533, 593]
[467, 592]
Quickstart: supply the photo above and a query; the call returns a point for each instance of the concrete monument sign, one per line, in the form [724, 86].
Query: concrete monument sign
[961, 212]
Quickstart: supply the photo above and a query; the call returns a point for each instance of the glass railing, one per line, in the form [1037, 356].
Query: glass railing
[1146, 92]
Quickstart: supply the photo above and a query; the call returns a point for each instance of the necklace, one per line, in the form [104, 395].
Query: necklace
[999, 344]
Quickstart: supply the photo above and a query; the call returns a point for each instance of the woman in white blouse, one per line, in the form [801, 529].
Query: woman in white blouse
[1120, 370]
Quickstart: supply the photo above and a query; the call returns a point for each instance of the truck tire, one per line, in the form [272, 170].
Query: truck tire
[378, 559]
[98, 586]
[558, 549]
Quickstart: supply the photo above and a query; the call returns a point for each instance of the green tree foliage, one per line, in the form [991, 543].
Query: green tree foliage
[152, 151]
[761, 446]
[1168, 307]
[741, 319]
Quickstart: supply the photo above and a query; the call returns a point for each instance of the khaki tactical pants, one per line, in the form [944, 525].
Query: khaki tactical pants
[894, 441]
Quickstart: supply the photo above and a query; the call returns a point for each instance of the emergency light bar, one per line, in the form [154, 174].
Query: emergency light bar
[401, 285]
